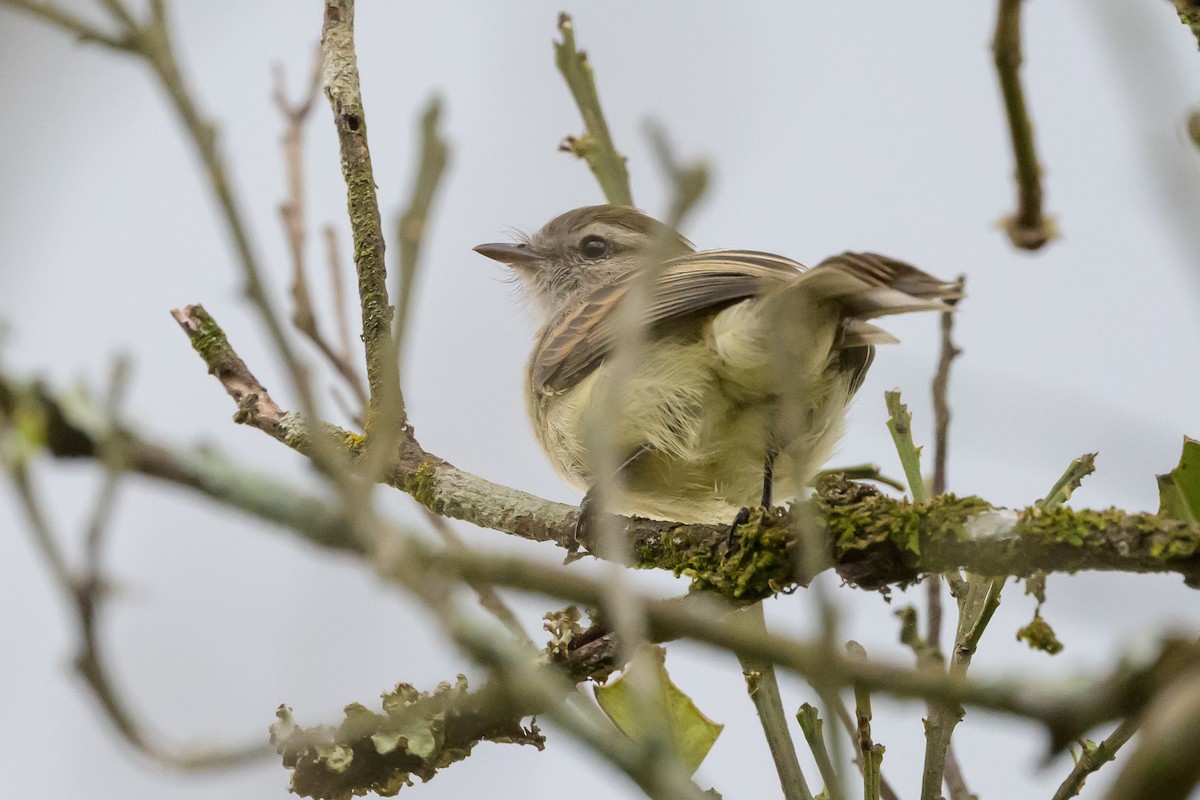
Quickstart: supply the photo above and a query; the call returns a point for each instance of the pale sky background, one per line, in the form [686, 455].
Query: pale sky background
[829, 126]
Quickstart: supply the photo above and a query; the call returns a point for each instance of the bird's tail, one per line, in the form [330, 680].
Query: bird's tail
[867, 285]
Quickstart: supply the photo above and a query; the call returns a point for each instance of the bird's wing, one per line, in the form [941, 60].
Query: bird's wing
[575, 342]
[865, 285]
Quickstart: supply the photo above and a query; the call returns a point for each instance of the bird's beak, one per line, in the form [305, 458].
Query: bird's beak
[514, 255]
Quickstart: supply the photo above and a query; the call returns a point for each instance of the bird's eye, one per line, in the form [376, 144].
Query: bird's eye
[593, 247]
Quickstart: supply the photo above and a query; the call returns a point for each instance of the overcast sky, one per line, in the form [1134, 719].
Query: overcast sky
[828, 126]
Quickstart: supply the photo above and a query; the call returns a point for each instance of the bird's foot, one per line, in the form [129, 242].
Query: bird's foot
[742, 517]
[587, 528]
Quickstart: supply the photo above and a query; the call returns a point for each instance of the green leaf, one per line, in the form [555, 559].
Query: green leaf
[1179, 489]
[691, 731]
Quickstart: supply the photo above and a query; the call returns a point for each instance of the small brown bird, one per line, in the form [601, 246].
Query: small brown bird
[742, 381]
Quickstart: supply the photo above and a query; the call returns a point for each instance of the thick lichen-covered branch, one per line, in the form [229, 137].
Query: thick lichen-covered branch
[417, 734]
[1028, 228]
[596, 145]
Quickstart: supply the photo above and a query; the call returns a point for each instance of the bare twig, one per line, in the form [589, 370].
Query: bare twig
[900, 425]
[488, 598]
[1028, 228]
[763, 687]
[869, 754]
[955, 782]
[85, 31]
[1094, 757]
[886, 792]
[86, 593]
[152, 41]
[292, 211]
[596, 145]
[621, 605]
[813, 729]
[410, 227]
[941, 405]
[1163, 764]
[337, 292]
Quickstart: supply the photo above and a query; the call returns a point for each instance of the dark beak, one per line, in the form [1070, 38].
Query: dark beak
[514, 255]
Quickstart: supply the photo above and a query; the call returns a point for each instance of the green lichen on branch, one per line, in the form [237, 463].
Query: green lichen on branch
[1040, 636]
[210, 343]
[417, 734]
[874, 541]
[754, 561]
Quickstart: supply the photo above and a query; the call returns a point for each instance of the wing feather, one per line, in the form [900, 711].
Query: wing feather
[578, 340]
[866, 285]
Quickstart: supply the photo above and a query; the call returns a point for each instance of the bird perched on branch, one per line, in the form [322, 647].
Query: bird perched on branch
[739, 365]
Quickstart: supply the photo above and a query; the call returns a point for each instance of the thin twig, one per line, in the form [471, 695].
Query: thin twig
[763, 687]
[1071, 480]
[153, 42]
[868, 753]
[596, 145]
[292, 212]
[813, 728]
[86, 593]
[886, 792]
[900, 425]
[85, 31]
[1028, 228]
[861, 472]
[488, 598]
[337, 290]
[941, 404]
[1095, 757]
[410, 227]
[976, 605]
[955, 781]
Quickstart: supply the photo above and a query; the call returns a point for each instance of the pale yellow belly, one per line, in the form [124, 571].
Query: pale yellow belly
[707, 426]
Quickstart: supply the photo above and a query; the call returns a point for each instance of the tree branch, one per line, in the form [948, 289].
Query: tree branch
[345, 98]
[72, 431]
[1094, 757]
[410, 227]
[1028, 228]
[763, 688]
[596, 145]
[291, 211]
[873, 540]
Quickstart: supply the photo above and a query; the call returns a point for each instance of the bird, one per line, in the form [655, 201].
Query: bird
[743, 375]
